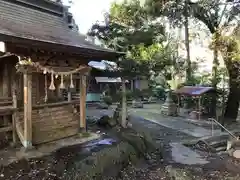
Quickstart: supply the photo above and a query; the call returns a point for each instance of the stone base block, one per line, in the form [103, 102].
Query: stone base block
[169, 110]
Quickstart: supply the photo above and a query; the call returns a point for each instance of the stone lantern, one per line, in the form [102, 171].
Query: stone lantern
[169, 107]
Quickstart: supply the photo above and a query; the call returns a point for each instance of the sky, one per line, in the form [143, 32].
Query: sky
[87, 12]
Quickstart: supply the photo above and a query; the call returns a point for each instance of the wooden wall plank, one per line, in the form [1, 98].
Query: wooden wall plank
[53, 123]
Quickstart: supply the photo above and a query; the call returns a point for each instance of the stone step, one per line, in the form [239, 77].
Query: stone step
[222, 148]
[219, 143]
[214, 144]
[216, 138]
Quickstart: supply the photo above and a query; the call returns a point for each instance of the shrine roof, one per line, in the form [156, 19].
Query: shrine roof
[193, 90]
[23, 22]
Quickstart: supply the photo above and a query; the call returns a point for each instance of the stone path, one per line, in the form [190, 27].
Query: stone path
[170, 141]
[175, 123]
[167, 133]
[184, 155]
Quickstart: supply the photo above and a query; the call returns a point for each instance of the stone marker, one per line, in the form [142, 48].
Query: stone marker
[102, 105]
[137, 104]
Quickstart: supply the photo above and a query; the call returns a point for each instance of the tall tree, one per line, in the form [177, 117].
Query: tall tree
[215, 14]
[129, 29]
[187, 44]
[230, 50]
[178, 13]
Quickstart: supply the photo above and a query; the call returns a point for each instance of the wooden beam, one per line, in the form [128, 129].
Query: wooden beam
[57, 104]
[5, 98]
[83, 93]
[27, 79]
[5, 129]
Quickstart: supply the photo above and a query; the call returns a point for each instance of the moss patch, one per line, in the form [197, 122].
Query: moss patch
[179, 173]
[85, 134]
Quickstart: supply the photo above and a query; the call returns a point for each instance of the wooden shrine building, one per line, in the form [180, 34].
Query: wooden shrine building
[41, 54]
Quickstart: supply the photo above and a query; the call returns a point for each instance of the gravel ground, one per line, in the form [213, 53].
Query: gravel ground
[220, 167]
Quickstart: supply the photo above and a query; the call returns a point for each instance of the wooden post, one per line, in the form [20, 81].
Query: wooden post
[14, 99]
[69, 95]
[178, 105]
[199, 108]
[132, 85]
[37, 89]
[124, 104]
[5, 80]
[5, 88]
[83, 89]
[27, 79]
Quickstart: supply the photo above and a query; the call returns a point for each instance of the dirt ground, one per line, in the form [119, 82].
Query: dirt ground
[220, 167]
[56, 165]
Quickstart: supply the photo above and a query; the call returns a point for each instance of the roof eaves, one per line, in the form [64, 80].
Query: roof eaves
[62, 47]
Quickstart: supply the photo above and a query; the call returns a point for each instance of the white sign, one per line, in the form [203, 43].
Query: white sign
[2, 47]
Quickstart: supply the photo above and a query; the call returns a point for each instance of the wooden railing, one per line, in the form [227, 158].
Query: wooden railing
[8, 115]
[7, 111]
[6, 101]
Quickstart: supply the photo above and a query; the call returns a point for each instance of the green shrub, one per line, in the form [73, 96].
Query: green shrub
[159, 92]
[108, 100]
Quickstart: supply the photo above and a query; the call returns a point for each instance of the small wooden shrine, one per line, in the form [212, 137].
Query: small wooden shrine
[196, 93]
[42, 56]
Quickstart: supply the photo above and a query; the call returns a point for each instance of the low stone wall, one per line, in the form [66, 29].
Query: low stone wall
[109, 161]
[98, 163]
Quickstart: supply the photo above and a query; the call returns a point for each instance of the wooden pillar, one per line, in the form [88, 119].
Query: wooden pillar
[5, 88]
[5, 80]
[37, 89]
[27, 80]
[124, 104]
[83, 93]
[14, 99]
[69, 95]
[199, 108]
[132, 85]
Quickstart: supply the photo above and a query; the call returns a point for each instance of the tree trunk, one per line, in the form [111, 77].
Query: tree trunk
[124, 104]
[188, 60]
[231, 111]
[214, 73]
[232, 106]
